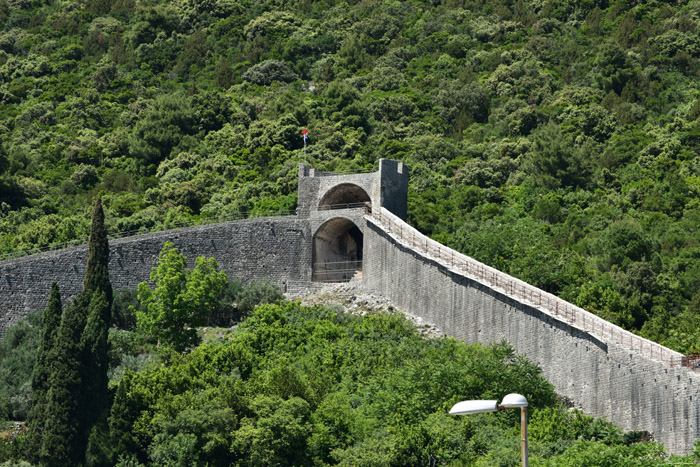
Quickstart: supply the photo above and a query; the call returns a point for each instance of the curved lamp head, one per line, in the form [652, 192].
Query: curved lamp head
[512, 401]
[470, 407]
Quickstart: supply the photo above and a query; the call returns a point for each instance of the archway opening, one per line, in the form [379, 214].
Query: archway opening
[337, 251]
[343, 196]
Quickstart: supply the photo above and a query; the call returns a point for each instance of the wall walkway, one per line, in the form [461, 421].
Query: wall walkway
[605, 370]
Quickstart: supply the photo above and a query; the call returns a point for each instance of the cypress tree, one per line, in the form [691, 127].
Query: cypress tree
[126, 408]
[77, 386]
[94, 346]
[97, 268]
[50, 320]
[94, 343]
[62, 424]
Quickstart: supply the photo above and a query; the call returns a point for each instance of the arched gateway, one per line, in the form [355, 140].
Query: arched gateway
[335, 205]
[601, 368]
[344, 196]
[337, 244]
[337, 251]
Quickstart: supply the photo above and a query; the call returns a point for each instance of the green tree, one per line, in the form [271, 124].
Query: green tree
[555, 161]
[125, 410]
[269, 71]
[94, 365]
[18, 351]
[182, 298]
[164, 127]
[194, 52]
[224, 73]
[276, 435]
[61, 426]
[94, 338]
[614, 68]
[97, 268]
[77, 384]
[258, 292]
[4, 163]
[51, 320]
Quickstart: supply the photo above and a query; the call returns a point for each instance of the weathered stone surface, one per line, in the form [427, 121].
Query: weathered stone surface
[601, 377]
[388, 188]
[278, 248]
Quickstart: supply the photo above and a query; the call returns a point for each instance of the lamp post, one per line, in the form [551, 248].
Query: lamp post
[511, 401]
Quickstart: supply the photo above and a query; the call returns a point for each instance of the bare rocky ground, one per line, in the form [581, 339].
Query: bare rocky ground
[352, 297]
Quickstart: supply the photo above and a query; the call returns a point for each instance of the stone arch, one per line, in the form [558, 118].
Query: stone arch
[344, 195]
[337, 251]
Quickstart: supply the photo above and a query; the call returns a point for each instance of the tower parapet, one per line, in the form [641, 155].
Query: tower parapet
[327, 191]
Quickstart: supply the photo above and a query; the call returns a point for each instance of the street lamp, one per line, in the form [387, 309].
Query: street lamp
[511, 401]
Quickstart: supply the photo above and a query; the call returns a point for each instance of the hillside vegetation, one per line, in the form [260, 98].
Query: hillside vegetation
[294, 385]
[313, 386]
[555, 140]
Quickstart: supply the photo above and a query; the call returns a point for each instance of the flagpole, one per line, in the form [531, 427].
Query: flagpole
[305, 135]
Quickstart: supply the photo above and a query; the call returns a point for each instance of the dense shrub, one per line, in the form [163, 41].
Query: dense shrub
[17, 355]
[269, 71]
[295, 385]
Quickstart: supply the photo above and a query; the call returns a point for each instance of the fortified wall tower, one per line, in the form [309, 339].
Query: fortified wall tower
[335, 205]
[352, 227]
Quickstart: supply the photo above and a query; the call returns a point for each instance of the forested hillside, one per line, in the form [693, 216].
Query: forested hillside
[555, 140]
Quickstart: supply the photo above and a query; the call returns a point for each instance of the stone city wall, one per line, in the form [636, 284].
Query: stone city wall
[646, 390]
[604, 370]
[278, 248]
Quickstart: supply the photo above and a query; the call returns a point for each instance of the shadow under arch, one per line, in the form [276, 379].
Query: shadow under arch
[344, 195]
[337, 251]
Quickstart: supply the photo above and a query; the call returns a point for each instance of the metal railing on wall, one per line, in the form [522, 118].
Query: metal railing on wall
[323, 173]
[330, 207]
[335, 271]
[692, 360]
[522, 291]
[511, 286]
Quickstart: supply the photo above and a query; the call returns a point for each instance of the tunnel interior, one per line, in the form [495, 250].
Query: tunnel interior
[345, 195]
[337, 251]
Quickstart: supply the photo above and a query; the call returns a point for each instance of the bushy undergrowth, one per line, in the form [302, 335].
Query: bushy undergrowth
[18, 348]
[310, 386]
[129, 349]
[292, 385]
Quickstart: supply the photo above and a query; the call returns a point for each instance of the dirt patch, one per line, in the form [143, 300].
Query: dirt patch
[352, 297]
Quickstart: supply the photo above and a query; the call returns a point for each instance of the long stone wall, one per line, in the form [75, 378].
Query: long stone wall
[277, 248]
[603, 369]
[647, 390]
